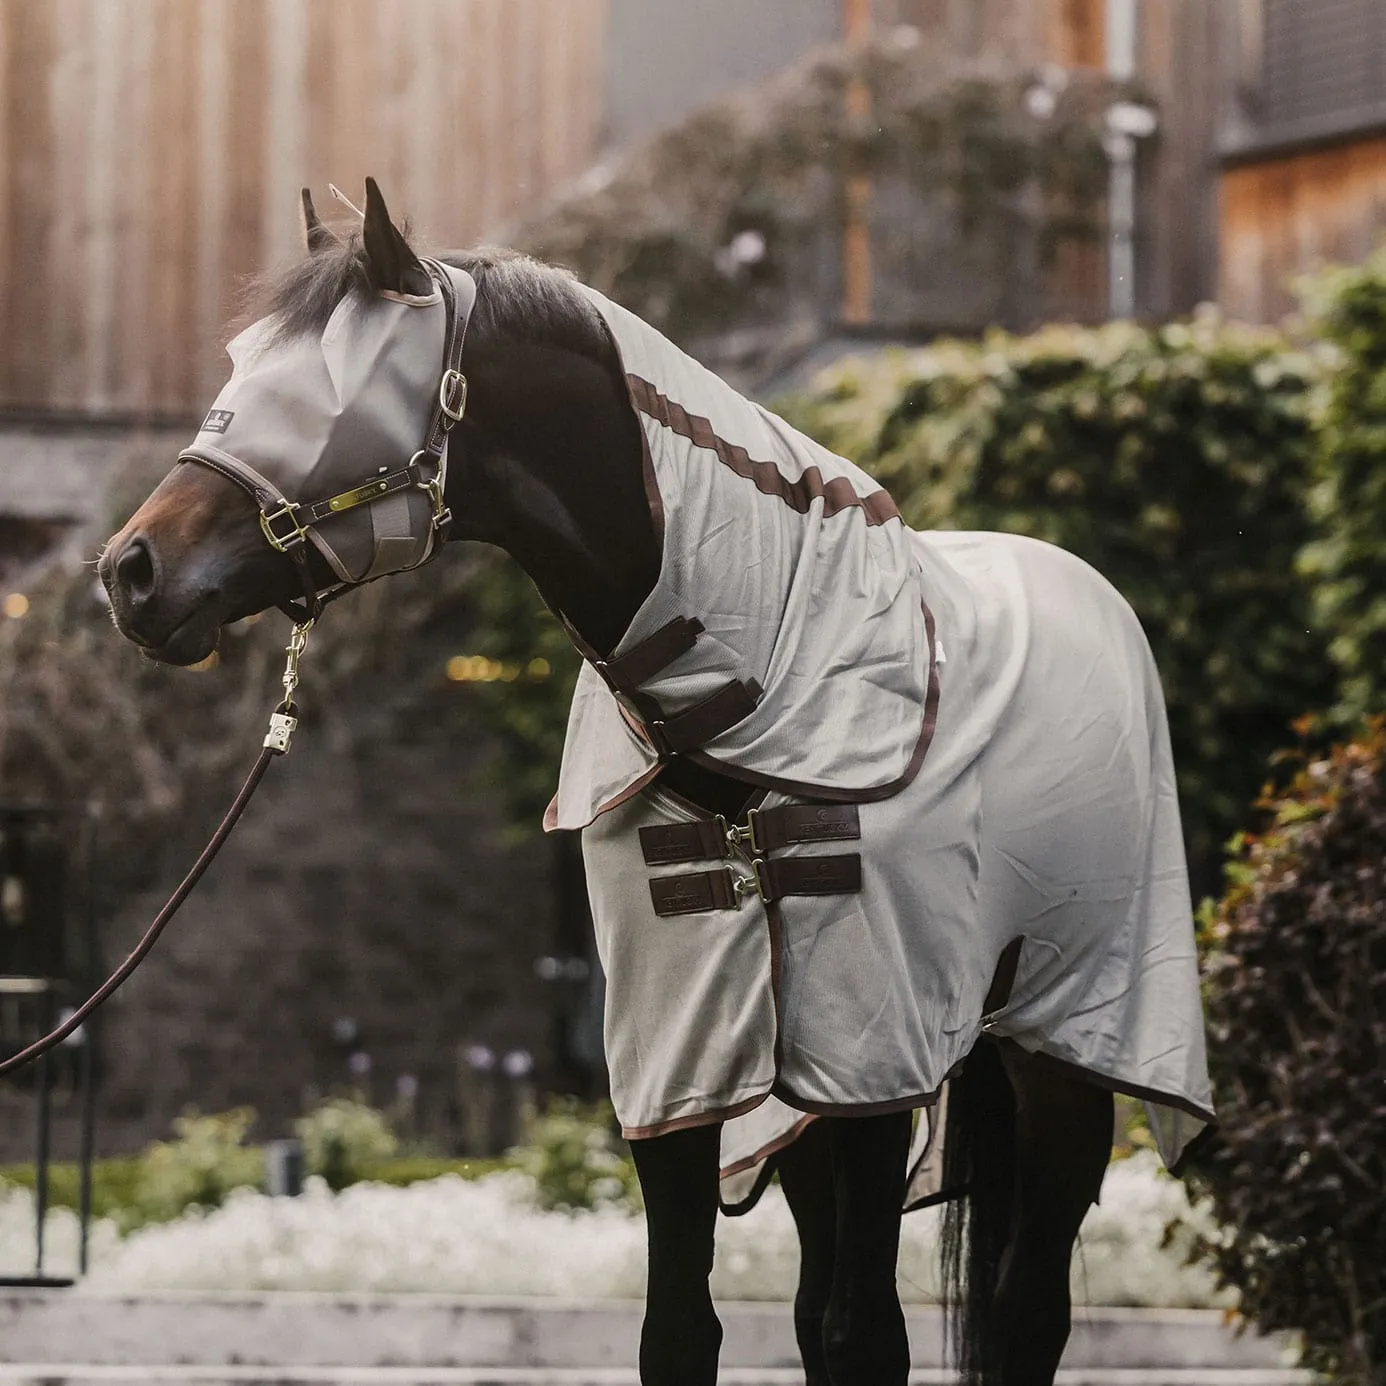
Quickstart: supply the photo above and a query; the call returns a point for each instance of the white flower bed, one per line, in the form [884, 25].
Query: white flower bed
[486, 1237]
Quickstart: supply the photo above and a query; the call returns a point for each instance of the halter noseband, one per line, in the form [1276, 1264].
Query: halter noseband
[286, 523]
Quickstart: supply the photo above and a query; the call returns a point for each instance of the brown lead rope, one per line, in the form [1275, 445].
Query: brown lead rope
[282, 724]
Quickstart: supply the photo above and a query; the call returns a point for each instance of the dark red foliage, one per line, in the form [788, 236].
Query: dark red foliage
[1297, 1013]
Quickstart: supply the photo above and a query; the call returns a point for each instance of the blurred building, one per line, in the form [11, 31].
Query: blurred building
[152, 149]
[150, 157]
[1302, 147]
[1266, 159]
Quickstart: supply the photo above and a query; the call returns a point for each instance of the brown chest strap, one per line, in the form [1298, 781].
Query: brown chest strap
[766, 830]
[698, 892]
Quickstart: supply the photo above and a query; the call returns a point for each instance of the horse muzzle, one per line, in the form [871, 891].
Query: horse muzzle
[169, 630]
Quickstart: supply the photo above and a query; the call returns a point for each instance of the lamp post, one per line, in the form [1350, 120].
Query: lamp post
[1127, 123]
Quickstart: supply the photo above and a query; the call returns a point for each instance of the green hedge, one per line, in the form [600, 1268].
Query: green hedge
[1347, 565]
[113, 1186]
[571, 1151]
[1175, 460]
[116, 1191]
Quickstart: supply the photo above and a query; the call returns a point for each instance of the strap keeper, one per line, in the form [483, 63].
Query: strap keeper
[659, 739]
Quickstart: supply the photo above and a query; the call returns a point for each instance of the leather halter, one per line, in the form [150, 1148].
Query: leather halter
[286, 523]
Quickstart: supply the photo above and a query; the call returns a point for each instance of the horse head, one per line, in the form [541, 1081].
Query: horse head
[321, 464]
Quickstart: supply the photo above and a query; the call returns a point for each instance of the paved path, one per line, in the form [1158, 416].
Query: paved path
[75, 1338]
[60, 1375]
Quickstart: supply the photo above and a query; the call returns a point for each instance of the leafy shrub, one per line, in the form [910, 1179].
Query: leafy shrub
[575, 1159]
[1175, 460]
[1296, 999]
[343, 1138]
[206, 1160]
[1348, 562]
[114, 1184]
[403, 1171]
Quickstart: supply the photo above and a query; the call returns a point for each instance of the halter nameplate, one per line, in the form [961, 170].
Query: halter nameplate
[359, 496]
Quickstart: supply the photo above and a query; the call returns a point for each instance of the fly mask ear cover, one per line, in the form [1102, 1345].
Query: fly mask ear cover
[309, 419]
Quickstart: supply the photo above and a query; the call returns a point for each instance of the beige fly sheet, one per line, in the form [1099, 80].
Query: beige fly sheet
[966, 819]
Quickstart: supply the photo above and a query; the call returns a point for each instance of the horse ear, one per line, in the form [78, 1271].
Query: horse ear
[392, 265]
[315, 235]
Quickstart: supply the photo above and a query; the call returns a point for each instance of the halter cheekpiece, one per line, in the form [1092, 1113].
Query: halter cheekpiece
[287, 523]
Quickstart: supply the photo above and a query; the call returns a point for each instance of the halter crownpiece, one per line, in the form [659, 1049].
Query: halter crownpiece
[298, 416]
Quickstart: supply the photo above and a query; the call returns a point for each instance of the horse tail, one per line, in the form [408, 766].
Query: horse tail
[979, 1162]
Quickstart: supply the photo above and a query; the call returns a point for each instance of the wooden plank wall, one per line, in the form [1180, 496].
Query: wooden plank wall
[1185, 64]
[1286, 216]
[151, 152]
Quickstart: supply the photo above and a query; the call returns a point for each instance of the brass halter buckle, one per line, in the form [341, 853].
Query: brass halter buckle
[290, 540]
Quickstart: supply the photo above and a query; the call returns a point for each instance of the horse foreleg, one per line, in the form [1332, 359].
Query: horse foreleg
[1063, 1143]
[864, 1337]
[806, 1176]
[681, 1335]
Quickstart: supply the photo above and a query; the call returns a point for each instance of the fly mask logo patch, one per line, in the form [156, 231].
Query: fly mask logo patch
[217, 421]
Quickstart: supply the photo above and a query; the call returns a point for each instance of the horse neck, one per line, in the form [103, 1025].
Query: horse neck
[551, 471]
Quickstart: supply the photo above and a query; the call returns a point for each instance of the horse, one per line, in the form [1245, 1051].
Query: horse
[386, 403]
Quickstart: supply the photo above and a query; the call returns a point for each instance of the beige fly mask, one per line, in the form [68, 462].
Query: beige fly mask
[342, 438]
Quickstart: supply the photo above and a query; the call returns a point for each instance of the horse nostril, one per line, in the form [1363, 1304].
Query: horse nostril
[134, 571]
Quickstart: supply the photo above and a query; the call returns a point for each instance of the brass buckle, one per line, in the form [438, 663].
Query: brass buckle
[748, 834]
[434, 488]
[757, 883]
[298, 642]
[283, 542]
[452, 382]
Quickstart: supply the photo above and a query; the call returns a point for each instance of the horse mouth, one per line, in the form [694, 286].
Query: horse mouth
[190, 642]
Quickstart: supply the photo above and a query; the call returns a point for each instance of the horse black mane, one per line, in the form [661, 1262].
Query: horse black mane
[519, 298]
